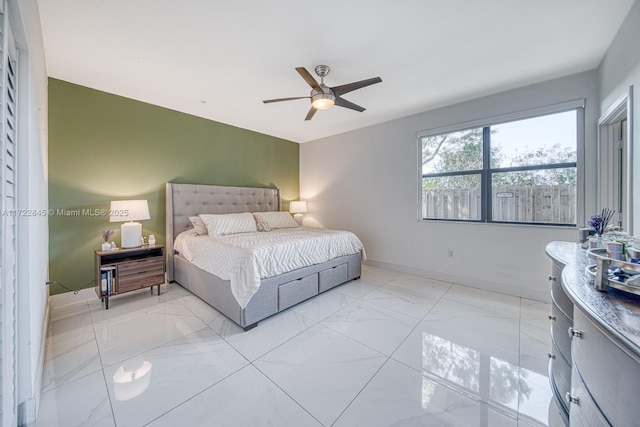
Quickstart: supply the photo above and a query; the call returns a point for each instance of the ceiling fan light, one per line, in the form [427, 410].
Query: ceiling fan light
[322, 103]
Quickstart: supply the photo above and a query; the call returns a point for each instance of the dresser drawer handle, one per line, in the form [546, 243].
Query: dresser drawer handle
[571, 399]
[551, 355]
[552, 278]
[574, 332]
[552, 317]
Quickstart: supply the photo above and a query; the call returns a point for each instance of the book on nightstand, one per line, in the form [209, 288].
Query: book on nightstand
[107, 279]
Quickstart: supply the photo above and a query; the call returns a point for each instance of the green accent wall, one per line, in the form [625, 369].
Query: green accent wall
[104, 147]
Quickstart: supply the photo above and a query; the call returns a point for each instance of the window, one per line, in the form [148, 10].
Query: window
[515, 171]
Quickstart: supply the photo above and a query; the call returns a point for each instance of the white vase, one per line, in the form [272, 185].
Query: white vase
[106, 246]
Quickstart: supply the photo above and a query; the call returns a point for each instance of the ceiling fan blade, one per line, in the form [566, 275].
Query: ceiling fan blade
[308, 77]
[342, 89]
[267, 101]
[347, 104]
[310, 114]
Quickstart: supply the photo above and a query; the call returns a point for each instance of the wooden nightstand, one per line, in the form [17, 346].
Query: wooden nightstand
[125, 270]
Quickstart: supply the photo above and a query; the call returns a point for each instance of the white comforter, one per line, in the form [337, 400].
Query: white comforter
[245, 258]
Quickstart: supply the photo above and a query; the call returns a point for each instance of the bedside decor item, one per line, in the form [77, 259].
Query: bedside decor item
[297, 208]
[129, 210]
[106, 235]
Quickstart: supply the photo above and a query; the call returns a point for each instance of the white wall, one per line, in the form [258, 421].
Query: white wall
[33, 232]
[620, 69]
[367, 181]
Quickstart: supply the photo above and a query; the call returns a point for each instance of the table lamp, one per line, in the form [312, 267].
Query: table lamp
[129, 210]
[297, 208]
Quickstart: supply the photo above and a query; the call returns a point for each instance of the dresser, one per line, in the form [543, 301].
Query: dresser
[594, 360]
[561, 319]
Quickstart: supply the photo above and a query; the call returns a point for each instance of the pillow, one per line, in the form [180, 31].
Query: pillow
[221, 225]
[262, 224]
[275, 219]
[198, 225]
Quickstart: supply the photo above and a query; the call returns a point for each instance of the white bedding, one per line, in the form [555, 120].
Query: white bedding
[245, 258]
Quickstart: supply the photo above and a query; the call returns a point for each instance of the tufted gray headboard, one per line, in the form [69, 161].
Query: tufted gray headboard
[185, 200]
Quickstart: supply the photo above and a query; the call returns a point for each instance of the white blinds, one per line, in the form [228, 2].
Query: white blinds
[8, 55]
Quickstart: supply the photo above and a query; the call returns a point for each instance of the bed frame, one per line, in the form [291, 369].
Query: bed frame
[275, 293]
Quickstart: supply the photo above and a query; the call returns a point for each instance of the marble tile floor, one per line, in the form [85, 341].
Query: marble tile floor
[388, 349]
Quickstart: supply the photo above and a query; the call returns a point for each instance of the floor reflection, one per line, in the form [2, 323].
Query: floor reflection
[476, 359]
[503, 385]
[132, 378]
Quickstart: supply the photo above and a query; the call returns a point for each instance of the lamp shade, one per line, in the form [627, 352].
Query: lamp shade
[299, 206]
[128, 210]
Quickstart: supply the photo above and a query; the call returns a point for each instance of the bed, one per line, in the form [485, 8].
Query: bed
[274, 293]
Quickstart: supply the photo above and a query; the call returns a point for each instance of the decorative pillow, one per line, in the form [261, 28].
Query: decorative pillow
[221, 225]
[262, 224]
[198, 225]
[275, 219]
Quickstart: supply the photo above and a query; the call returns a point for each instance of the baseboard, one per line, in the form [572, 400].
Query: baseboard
[71, 297]
[28, 410]
[533, 294]
[41, 359]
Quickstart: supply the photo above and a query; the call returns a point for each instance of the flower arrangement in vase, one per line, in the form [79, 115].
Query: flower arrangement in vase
[106, 235]
[599, 223]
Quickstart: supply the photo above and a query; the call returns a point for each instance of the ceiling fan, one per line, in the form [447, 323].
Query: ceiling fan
[324, 97]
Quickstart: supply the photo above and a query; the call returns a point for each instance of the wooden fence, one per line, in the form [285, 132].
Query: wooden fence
[542, 203]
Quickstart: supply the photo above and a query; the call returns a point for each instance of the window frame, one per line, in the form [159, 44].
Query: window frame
[487, 172]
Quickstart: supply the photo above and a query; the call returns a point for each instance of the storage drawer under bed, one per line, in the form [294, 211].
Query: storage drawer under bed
[291, 293]
[332, 277]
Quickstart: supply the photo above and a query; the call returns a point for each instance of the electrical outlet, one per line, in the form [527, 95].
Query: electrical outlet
[450, 253]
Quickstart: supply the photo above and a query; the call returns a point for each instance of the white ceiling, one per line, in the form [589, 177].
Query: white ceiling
[219, 59]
